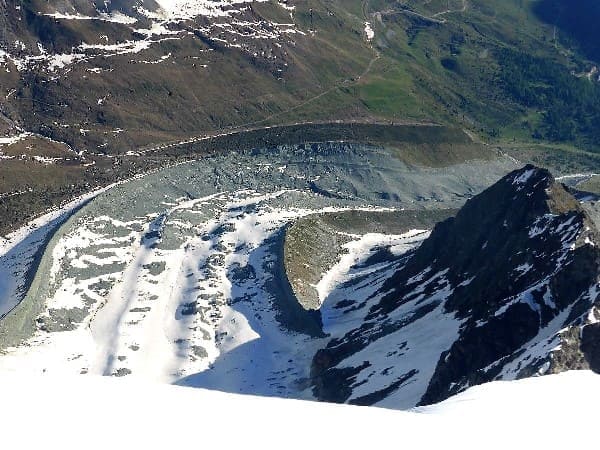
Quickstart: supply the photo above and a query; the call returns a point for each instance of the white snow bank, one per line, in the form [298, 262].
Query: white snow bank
[93, 412]
[553, 411]
[369, 31]
[115, 17]
[180, 9]
[10, 140]
[524, 177]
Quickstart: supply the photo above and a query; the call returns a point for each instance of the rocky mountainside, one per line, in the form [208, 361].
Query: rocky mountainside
[113, 76]
[507, 289]
[108, 76]
[306, 107]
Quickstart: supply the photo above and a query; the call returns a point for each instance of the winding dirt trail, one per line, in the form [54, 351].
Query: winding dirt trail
[464, 8]
[435, 18]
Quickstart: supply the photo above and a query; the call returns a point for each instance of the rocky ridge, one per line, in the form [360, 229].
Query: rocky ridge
[501, 291]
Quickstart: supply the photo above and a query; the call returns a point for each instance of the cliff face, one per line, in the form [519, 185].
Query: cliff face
[499, 288]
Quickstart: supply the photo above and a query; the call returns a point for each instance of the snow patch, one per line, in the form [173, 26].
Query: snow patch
[369, 33]
[524, 177]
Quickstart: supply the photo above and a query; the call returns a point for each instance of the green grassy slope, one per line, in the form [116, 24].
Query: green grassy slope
[495, 68]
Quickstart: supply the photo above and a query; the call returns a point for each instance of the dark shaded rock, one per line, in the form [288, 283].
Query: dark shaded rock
[122, 372]
[590, 345]
[155, 268]
[479, 347]
[332, 385]
[199, 351]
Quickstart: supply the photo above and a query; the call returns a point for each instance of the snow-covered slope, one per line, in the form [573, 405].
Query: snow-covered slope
[72, 413]
[178, 277]
[178, 9]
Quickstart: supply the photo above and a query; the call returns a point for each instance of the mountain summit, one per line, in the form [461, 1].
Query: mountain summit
[501, 291]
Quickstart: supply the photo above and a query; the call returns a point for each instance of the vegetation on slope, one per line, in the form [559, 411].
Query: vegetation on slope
[511, 70]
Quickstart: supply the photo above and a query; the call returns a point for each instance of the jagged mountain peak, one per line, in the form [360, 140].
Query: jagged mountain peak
[534, 186]
[500, 242]
[487, 296]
